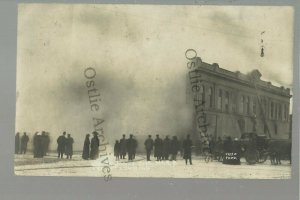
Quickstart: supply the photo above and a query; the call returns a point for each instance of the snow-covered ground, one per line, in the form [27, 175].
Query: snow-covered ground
[26, 165]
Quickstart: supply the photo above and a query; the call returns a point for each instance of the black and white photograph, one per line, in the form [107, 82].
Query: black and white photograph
[154, 91]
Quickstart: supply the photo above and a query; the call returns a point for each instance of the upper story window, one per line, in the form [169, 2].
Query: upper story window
[247, 105]
[219, 103]
[242, 99]
[272, 110]
[226, 101]
[254, 106]
[210, 97]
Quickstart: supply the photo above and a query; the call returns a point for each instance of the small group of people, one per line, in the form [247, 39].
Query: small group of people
[162, 148]
[91, 148]
[21, 143]
[166, 149]
[125, 146]
[65, 145]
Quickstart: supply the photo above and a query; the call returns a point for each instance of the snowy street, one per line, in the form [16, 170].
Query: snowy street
[50, 165]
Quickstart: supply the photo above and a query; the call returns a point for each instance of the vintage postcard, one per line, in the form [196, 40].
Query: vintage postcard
[160, 91]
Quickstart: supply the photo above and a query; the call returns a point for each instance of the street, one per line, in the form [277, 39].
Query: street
[50, 165]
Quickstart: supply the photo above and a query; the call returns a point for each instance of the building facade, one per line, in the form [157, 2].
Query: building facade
[231, 103]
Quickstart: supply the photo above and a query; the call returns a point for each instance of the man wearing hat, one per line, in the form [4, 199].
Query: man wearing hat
[149, 146]
[61, 145]
[158, 145]
[95, 143]
[123, 147]
[130, 147]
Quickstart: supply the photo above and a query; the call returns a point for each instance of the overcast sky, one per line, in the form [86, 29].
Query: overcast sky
[138, 53]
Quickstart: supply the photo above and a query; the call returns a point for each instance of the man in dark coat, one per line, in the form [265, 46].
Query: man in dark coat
[61, 145]
[123, 147]
[117, 150]
[135, 144]
[46, 142]
[17, 143]
[174, 148]
[24, 141]
[149, 146]
[95, 143]
[86, 147]
[187, 149]
[38, 145]
[158, 145]
[166, 148]
[69, 146]
[130, 147]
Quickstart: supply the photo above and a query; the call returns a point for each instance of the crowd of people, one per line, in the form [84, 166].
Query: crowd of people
[164, 149]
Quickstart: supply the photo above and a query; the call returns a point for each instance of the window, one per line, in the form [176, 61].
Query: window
[272, 110]
[226, 102]
[247, 105]
[276, 111]
[285, 112]
[210, 97]
[202, 94]
[279, 112]
[220, 99]
[242, 104]
[254, 106]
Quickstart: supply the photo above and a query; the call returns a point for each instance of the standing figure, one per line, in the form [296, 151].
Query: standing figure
[86, 147]
[117, 150]
[17, 143]
[130, 147]
[46, 143]
[24, 141]
[166, 148]
[149, 146]
[174, 148]
[38, 146]
[61, 145]
[94, 146]
[135, 144]
[187, 149]
[158, 145]
[123, 147]
[69, 146]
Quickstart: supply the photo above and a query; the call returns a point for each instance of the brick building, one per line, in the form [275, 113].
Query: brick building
[231, 103]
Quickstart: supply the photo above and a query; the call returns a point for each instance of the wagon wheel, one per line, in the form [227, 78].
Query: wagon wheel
[262, 156]
[251, 157]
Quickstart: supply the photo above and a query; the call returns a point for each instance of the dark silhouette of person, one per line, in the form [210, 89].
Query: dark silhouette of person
[123, 145]
[187, 149]
[17, 143]
[174, 148]
[86, 147]
[117, 150]
[69, 146]
[149, 146]
[135, 144]
[24, 141]
[166, 148]
[158, 145]
[46, 142]
[95, 143]
[130, 147]
[38, 145]
[61, 145]
[44, 139]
